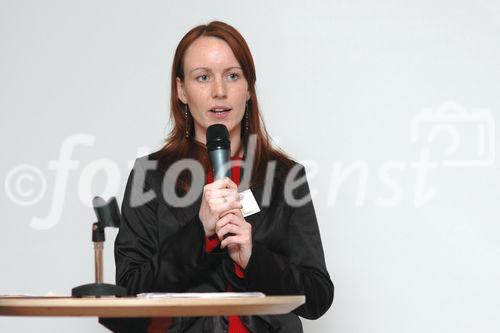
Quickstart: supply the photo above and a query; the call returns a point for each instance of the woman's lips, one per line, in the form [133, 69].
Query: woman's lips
[220, 114]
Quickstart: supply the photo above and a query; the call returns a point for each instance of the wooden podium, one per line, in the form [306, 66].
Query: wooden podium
[142, 307]
[108, 308]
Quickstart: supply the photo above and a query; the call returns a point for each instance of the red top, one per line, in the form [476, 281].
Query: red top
[235, 323]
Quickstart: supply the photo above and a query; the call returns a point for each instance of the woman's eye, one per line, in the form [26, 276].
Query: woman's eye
[233, 76]
[203, 77]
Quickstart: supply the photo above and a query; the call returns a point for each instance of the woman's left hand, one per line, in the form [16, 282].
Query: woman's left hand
[235, 233]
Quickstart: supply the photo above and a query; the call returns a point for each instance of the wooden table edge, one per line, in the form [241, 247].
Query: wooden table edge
[141, 307]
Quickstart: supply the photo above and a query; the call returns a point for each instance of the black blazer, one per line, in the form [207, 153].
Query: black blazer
[160, 248]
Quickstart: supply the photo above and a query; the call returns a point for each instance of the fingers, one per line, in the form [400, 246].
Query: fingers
[236, 212]
[235, 240]
[229, 218]
[221, 201]
[232, 225]
[222, 183]
[220, 196]
[228, 206]
[228, 228]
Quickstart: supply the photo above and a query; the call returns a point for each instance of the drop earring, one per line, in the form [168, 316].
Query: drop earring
[246, 118]
[186, 108]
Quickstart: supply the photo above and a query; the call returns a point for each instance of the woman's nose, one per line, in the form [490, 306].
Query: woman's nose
[219, 88]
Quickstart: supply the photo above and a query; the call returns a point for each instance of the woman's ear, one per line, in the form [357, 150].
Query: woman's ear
[181, 93]
[248, 96]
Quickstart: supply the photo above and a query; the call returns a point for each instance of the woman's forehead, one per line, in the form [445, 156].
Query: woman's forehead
[209, 53]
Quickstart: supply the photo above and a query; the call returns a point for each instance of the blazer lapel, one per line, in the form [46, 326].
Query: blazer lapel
[184, 214]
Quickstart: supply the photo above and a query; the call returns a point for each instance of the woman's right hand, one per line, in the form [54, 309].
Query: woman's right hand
[219, 198]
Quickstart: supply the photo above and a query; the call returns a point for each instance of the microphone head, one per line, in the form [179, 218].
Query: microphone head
[107, 212]
[217, 137]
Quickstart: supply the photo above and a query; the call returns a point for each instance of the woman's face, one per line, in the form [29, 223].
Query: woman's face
[214, 87]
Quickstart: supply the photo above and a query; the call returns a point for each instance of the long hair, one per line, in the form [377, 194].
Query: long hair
[177, 146]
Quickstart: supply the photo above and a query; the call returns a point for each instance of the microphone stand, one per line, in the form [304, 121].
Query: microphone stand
[99, 288]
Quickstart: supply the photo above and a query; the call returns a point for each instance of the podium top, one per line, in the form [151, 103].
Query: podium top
[147, 307]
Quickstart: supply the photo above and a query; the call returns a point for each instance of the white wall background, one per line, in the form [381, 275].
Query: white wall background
[339, 83]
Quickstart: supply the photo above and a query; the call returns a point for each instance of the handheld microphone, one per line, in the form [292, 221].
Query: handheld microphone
[219, 150]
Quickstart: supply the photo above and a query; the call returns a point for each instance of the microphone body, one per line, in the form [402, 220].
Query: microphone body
[219, 150]
[219, 159]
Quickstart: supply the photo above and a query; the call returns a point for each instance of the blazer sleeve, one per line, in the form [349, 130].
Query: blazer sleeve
[142, 263]
[301, 269]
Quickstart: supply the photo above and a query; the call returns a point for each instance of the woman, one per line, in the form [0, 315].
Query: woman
[208, 245]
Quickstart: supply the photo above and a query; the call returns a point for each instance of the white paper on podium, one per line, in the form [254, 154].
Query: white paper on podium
[201, 295]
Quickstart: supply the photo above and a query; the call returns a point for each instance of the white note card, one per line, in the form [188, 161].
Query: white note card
[249, 203]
